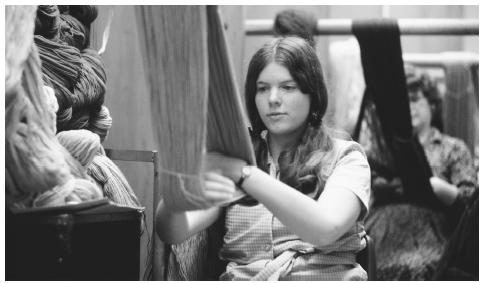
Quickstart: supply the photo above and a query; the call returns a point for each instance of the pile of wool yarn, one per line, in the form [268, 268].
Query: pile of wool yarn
[77, 76]
[38, 170]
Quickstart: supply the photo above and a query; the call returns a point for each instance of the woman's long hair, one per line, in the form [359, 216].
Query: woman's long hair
[298, 165]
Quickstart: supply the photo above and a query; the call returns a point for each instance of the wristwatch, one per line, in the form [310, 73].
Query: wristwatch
[246, 172]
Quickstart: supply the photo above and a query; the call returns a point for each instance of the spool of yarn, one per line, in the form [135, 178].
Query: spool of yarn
[83, 145]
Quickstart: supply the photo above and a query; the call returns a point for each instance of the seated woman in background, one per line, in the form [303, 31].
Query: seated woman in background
[410, 239]
[310, 191]
[292, 22]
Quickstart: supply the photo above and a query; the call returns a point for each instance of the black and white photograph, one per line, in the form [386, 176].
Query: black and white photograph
[253, 142]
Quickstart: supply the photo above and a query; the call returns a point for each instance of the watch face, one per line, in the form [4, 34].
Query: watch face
[246, 170]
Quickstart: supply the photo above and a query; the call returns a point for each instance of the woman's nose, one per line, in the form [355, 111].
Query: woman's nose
[274, 98]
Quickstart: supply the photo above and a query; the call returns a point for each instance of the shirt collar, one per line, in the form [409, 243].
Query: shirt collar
[273, 171]
[435, 136]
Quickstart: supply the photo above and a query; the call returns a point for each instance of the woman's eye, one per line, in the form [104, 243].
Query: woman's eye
[289, 87]
[261, 89]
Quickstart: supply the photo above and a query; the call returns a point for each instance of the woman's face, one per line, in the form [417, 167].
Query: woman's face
[283, 108]
[419, 110]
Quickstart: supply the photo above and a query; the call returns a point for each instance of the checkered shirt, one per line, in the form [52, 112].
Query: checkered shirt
[259, 247]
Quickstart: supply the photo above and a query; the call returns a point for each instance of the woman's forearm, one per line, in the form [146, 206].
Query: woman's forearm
[318, 222]
[174, 227]
[445, 192]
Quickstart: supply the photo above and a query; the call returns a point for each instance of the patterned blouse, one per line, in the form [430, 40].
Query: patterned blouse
[451, 160]
[259, 247]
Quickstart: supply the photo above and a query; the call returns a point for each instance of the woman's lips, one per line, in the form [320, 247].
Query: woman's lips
[276, 115]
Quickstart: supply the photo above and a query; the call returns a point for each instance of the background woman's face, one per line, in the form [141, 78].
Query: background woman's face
[419, 110]
[282, 106]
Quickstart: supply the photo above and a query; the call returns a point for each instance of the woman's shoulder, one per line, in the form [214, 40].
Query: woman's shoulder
[342, 152]
[343, 147]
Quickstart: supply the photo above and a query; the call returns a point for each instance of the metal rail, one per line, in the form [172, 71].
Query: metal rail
[406, 26]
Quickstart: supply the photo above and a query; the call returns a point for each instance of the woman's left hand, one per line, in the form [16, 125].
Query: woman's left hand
[230, 167]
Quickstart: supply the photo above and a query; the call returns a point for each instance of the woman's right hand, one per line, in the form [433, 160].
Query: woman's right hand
[218, 188]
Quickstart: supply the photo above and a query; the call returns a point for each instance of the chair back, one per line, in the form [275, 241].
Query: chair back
[366, 258]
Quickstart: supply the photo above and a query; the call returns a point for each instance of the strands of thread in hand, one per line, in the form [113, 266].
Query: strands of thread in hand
[196, 198]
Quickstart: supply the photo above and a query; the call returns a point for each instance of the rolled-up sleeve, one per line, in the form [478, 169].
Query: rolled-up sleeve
[352, 172]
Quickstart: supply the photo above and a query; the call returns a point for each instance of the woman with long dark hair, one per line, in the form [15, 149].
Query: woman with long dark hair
[310, 191]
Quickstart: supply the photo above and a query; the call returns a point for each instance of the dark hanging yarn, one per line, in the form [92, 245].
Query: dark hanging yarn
[73, 32]
[47, 22]
[79, 81]
[92, 56]
[84, 13]
[101, 122]
[64, 9]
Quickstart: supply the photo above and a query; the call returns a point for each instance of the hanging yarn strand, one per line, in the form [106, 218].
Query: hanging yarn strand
[178, 90]
[227, 123]
[182, 94]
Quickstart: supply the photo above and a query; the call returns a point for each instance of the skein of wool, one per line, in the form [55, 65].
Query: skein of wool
[18, 45]
[72, 192]
[66, 24]
[52, 105]
[35, 161]
[83, 145]
[33, 156]
[115, 185]
[65, 68]
[101, 123]
[84, 13]
[47, 21]
[73, 70]
[73, 32]
[61, 66]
